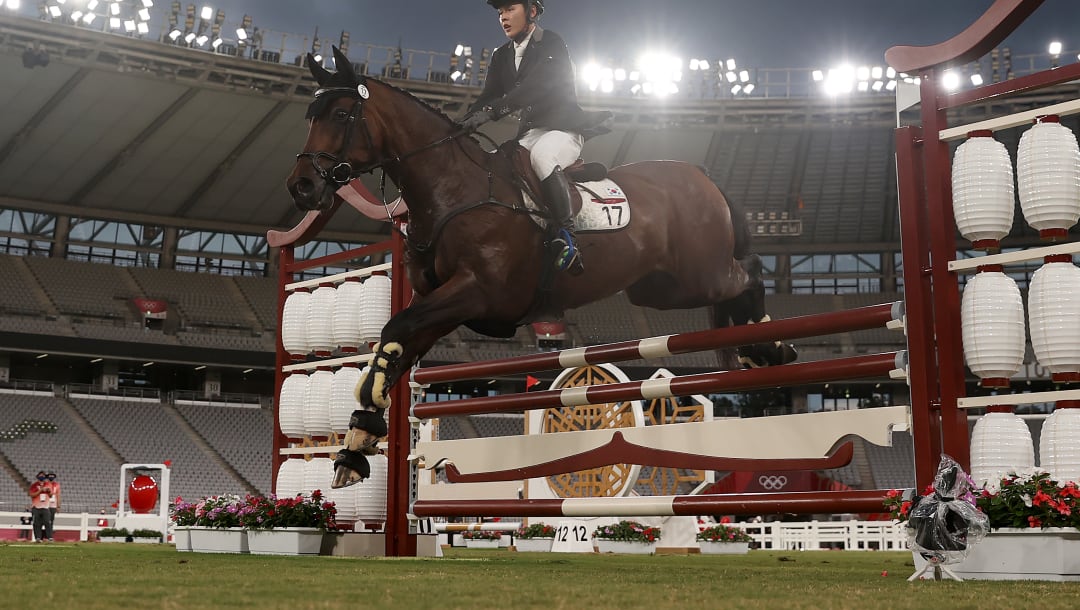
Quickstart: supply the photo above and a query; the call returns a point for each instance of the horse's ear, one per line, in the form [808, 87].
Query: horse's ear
[321, 74]
[344, 66]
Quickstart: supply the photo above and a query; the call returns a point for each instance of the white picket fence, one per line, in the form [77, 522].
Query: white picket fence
[827, 535]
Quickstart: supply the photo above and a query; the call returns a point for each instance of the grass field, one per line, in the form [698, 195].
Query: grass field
[156, 576]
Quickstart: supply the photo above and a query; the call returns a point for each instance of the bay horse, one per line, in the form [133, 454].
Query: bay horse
[475, 256]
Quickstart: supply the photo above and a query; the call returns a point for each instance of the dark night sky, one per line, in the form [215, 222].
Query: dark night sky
[759, 33]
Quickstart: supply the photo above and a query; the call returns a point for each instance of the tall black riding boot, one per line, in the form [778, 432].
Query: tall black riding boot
[556, 190]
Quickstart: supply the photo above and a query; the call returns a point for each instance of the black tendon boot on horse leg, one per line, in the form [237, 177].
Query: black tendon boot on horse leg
[366, 426]
[556, 188]
[749, 308]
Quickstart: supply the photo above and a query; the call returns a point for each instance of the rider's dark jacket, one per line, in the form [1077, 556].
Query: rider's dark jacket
[542, 88]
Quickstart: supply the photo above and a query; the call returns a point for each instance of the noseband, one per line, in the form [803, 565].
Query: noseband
[336, 169]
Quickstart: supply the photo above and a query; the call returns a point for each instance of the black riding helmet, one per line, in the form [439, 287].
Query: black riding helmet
[539, 4]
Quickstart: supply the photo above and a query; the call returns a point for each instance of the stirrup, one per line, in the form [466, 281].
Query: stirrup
[569, 257]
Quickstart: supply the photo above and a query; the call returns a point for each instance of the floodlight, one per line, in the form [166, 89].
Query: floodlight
[862, 73]
[91, 5]
[876, 72]
[148, 3]
[950, 80]
[318, 58]
[694, 65]
[77, 15]
[878, 85]
[1055, 47]
[731, 76]
[467, 52]
[620, 74]
[114, 8]
[13, 4]
[144, 14]
[455, 75]
[115, 23]
[864, 86]
[54, 11]
[891, 85]
[703, 64]
[744, 76]
[731, 64]
[189, 37]
[748, 89]
[216, 43]
[634, 76]
[88, 18]
[818, 75]
[173, 35]
[143, 28]
[976, 79]
[207, 13]
[201, 40]
[736, 89]
[241, 33]
[607, 86]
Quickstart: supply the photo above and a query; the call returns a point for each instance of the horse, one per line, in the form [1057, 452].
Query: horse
[475, 255]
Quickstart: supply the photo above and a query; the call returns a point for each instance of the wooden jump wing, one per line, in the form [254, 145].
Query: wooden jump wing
[987, 32]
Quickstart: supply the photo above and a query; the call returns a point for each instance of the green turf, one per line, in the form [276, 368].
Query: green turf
[156, 576]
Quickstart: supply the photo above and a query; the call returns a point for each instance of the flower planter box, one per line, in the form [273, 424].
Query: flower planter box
[625, 547]
[182, 538]
[112, 539]
[138, 540]
[1021, 554]
[712, 547]
[285, 541]
[482, 544]
[534, 545]
[212, 540]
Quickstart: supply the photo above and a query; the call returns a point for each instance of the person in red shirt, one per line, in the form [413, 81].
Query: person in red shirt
[54, 502]
[40, 497]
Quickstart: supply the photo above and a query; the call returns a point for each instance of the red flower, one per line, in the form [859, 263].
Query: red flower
[1070, 491]
[893, 493]
[1034, 522]
[1041, 498]
[725, 519]
[905, 507]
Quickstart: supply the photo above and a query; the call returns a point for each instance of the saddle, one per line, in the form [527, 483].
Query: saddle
[578, 172]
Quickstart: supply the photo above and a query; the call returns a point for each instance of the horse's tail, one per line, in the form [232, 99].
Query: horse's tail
[739, 226]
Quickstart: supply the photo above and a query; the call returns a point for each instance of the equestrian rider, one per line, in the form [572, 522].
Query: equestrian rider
[532, 73]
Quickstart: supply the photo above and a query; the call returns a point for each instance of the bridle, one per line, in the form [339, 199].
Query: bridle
[335, 169]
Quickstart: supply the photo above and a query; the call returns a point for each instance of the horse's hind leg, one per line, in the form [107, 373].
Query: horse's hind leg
[749, 308]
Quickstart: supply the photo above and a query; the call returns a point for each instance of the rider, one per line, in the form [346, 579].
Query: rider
[532, 73]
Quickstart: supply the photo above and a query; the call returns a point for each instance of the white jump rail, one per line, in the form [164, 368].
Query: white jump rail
[1013, 258]
[1008, 121]
[330, 363]
[1031, 398]
[339, 277]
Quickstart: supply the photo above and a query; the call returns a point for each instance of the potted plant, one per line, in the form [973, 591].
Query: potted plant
[217, 526]
[113, 534]
[182, 514]
[534, 537]
[287, 526]
[146, 536]
[1034, 528]
[481, 539]
[724, 539]
[626, 537]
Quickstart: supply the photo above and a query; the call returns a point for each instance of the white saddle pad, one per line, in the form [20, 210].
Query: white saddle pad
[606, 210]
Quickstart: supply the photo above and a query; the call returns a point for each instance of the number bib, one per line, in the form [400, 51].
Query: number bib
[604, 207]
[572, 536]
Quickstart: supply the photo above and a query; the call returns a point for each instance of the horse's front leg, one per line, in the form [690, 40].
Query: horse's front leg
[405, 338]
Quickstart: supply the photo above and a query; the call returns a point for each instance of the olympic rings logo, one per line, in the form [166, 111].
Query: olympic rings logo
[772, 482]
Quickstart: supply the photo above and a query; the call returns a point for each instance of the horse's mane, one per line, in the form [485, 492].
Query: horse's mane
[436, 111]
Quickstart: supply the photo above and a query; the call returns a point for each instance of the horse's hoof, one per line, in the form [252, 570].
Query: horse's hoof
[766, 354]
[361, 441]
[350, 467]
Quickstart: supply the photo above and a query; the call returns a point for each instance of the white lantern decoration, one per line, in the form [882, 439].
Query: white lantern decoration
[1059, 445]
[1000, 442]
[318, 473]
[1054, 317]
[346, 320]
[294, 320]
[290, 479]
[320, 328]
[983, 193]
[371, 494]
[992, 317]
[375, 307]
[1048, 177]
[317, 403]
[291, 405]
[342, 400]
[344, 500]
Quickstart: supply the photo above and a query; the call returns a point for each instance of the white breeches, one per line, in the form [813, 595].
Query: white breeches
[548, 148]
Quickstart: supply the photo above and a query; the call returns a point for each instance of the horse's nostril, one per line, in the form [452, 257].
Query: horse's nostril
[304, 187]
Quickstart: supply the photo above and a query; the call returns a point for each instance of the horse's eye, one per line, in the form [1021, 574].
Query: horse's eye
[341, 115]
